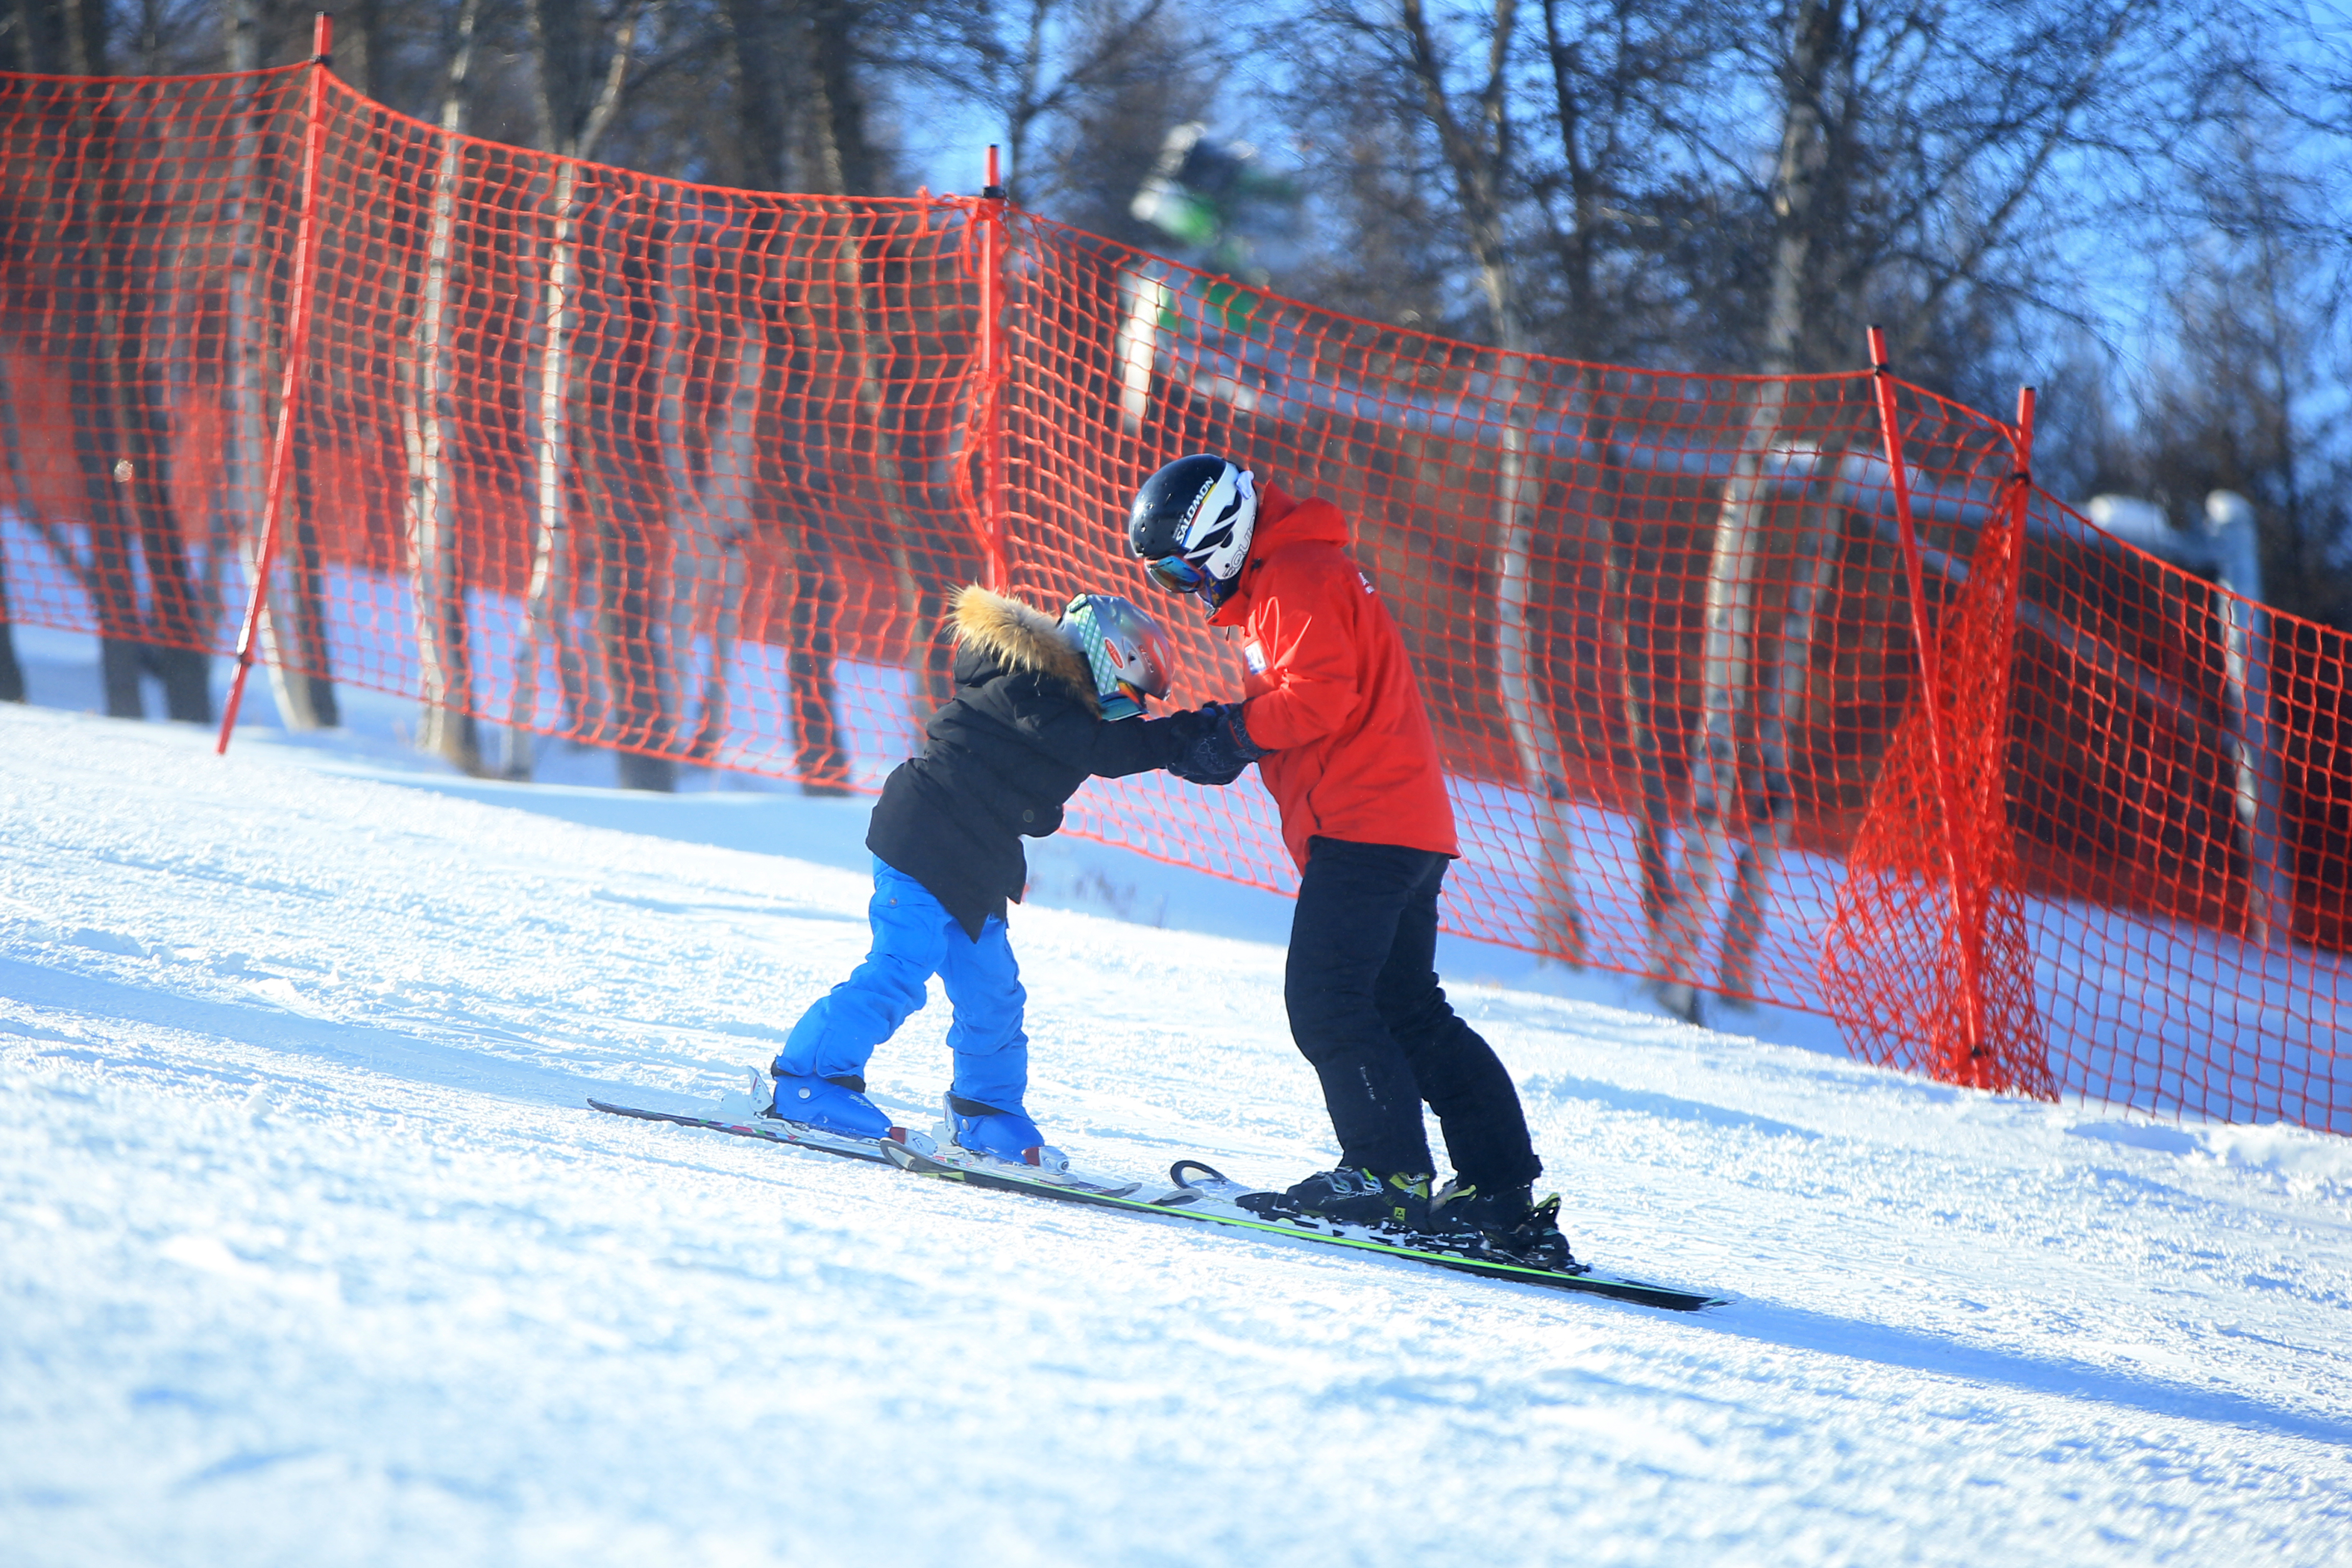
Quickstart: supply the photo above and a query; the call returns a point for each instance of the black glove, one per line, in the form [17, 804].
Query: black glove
[1180, 732]
[1215, 746]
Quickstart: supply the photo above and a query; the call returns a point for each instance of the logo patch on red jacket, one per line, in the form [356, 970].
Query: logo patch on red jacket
[1254, 656]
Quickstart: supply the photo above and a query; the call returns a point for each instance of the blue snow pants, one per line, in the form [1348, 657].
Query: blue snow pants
[914, 939]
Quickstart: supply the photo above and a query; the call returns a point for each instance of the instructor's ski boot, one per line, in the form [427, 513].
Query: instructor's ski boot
[1006, 1135]
[1399, 1201]
[1511, 1226]
[829, 1105]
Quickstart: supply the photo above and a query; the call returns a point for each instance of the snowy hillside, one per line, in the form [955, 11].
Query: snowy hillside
[311, 1253]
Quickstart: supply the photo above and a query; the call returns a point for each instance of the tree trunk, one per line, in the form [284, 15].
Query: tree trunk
[40, 38]
[763, 123]
[852, 168]
[445, 725]
[12, 454]
[1730, 628]
[574, 111]
[175, 651]
[1740, 546]
[711, 515]
[766, 77]
[633, 664]
[837, 274]
[697, 563]
[551, 341]
[814, 599]
[359, 44]
[292, 635]
[1621, 551]
[82, 227]
[135, 315]
[1621, 631]
[819, 755]
[1818, 540]
[12, 674]
[1526, 705]
[1479, 159]
[814, 603]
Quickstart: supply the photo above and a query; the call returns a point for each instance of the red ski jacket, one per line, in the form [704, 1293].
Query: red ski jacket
[1330, 694]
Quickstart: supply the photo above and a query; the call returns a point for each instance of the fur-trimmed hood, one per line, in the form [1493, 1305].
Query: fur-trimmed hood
[1001, 758]
[1018, 639]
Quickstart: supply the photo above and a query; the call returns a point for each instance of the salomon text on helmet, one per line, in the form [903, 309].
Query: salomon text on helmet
[1124, 647]
[1191, 525]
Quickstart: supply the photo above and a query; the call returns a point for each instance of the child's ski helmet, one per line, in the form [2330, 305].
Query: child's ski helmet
[1191, 525]
[1124, 647]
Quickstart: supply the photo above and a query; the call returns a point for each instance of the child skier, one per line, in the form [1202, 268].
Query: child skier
[1039, 708]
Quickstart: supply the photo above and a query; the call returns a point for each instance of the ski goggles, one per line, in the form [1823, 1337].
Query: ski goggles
[1177, 574]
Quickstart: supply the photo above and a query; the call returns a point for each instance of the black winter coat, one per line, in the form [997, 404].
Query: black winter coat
[1023, 732]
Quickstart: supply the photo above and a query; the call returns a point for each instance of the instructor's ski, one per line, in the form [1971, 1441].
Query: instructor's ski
[1202, 1194]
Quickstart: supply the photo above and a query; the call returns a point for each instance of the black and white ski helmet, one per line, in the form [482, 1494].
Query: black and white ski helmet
[1128, 654]
[1191, 525]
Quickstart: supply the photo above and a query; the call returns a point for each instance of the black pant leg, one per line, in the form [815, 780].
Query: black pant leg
[1350, 899]
[1453, 1069]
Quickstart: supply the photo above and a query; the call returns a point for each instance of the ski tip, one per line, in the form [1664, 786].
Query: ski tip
[1670, 1298]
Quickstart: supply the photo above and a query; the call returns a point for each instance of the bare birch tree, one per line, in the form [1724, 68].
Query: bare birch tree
[1475, 137]
[1913, 147]
[428, 426]
[581, 72]
[1734, 571]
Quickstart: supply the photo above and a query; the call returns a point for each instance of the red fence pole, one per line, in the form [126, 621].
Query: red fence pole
[297, 332]
[1968, 930]
[2022, 486]
[992, 361]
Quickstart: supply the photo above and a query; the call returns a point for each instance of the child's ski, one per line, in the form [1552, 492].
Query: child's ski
[769, 1130]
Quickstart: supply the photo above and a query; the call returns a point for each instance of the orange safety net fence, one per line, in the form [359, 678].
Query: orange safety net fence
[687, 473]
[1929, 970]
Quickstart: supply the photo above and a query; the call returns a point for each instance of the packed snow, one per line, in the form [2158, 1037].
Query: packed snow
[311, 1253]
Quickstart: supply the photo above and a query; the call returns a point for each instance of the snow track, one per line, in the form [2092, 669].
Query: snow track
[310, 1252]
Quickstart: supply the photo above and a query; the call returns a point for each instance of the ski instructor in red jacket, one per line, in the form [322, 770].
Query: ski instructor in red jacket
[1334, 719]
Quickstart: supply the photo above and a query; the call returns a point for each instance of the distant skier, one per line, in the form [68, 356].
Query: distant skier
[1039, 708]
[1334, 719]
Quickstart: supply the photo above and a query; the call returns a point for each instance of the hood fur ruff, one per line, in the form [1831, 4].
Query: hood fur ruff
[1023, 639]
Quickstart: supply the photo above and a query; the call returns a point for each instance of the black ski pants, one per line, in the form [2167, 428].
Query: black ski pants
[1367, 1011]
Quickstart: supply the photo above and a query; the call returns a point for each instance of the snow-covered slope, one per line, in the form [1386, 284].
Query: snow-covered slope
[310, 1253]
